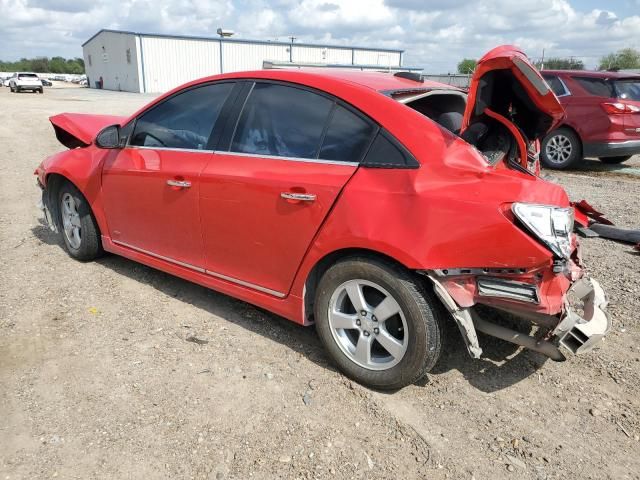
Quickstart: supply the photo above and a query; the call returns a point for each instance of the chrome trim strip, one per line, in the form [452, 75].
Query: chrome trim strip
[238, 154]
[161, 257]
[291, 159]
[246, 284]
[191, 150]
[202, 270]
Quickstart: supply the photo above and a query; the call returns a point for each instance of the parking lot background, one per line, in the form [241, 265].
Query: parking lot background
[97, 379]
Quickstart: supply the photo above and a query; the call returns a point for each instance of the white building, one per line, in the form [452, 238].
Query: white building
[141, 62]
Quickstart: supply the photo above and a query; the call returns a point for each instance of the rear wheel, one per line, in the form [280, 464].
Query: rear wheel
[614, 160]
[80, 231]
[377, 322]
[561, 149]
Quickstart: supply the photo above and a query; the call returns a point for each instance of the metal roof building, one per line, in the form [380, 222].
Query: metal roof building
[143, 62]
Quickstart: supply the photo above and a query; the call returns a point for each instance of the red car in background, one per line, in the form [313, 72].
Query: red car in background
[377, 206]
[602, 117]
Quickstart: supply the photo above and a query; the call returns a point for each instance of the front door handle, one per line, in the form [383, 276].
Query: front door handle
[179, 183]
[301, 197]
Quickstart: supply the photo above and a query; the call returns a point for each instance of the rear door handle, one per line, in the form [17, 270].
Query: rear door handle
[301, 197]
[179, 183]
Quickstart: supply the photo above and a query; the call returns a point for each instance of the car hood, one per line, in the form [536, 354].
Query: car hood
[505, 83]
[75, 130]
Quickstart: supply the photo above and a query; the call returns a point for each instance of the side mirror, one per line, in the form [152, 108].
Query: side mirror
[109, 137]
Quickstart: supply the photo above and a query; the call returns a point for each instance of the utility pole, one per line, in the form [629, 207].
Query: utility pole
[293, 39]
[542, 61]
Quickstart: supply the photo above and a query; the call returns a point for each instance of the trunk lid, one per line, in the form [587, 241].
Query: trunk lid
[80, 129]
[507, 89]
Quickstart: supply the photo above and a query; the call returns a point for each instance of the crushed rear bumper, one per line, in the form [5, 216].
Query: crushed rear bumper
[580, 326]
[581, 333]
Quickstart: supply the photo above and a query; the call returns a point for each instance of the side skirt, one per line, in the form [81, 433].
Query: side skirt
[289, 307]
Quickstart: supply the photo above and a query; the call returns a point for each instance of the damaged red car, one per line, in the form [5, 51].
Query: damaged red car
[377, 206]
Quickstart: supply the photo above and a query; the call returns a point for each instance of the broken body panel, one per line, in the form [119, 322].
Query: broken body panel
[450, 220]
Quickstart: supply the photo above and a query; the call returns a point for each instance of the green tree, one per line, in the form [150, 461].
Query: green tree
[627, 58]
[44, 65]
[561, 64]
[467, 65]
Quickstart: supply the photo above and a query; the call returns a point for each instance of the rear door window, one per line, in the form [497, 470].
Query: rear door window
[281, 121]
[600, 87]
[184, 121]
[347, 137]
[387, 152]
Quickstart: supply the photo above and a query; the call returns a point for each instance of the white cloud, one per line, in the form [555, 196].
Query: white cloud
[434, 34]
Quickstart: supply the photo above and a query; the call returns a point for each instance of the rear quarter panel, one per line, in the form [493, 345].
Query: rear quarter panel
[442, 215]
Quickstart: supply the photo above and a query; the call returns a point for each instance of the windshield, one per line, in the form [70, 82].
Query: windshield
[27, 75]
[628, 89]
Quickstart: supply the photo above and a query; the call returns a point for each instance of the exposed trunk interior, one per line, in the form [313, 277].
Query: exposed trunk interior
[446, 107]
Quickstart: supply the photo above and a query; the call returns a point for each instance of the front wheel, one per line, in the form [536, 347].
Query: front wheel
[561, 149]
[378, 322]
[614, 160]
[80, 231]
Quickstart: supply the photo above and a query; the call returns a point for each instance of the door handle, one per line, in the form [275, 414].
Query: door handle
[301, 197]
[179, 183]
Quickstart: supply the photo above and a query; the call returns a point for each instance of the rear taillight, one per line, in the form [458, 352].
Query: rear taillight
[619, 108]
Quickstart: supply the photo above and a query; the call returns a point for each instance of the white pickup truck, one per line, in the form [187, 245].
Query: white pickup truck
[22, 81]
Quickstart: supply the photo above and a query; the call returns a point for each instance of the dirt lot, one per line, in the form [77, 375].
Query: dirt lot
[97, 380]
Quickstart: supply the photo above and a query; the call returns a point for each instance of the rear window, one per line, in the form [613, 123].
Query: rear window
[628, 89]
[600, 87]
[27, 75]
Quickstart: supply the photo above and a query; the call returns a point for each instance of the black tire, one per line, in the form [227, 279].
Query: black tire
[41, 90]
[615, 160]
[564, 135]
[424, 330]
[90, 246]
[11, 89]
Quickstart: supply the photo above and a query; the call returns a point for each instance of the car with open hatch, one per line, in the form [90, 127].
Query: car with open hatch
[376, 206]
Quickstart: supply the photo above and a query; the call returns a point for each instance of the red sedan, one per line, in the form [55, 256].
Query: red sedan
[376, 206]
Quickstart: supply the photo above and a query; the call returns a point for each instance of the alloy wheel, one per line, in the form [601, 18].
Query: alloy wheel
[71, 221]
[559, 149]
[368, 324]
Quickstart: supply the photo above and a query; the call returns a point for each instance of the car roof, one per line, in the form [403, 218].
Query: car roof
[379, 81]
[592, 74]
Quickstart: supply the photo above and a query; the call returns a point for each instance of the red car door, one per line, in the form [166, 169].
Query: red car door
[151, 186]
[265, 193]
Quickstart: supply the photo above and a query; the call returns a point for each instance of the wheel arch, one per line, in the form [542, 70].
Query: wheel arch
[53, 182]
[324, 263]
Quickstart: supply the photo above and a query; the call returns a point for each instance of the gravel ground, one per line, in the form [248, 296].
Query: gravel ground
[97, 379]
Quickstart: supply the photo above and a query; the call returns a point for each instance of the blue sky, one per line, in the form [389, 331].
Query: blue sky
[435, 34]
